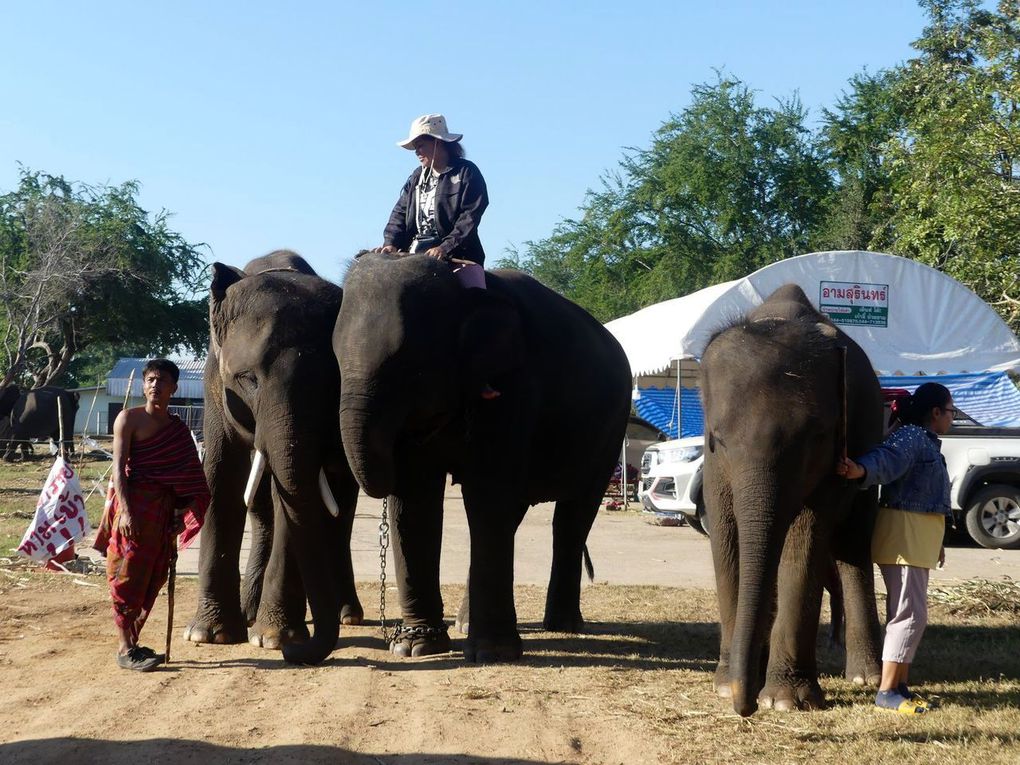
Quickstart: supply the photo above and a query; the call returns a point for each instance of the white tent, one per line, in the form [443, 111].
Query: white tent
[908, 317]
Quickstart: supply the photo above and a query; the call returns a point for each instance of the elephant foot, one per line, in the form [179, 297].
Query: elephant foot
[563, 623]
[412, 642]
[863, 672]
[493, 650]
[274, 638]
[722, 681]
[218, 634]
[352, 615]
[789, 696]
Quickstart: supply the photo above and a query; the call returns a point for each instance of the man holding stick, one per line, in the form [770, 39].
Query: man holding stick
[158, 490]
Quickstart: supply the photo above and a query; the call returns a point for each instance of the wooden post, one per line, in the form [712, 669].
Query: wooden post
[127, 393]
[85, 430]
[60, 427]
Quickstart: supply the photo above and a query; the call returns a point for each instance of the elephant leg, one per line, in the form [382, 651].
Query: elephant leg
[281, 612]
[416, 523]
[725, 559]
[493, 517]
[852, 550]
[260, 528]
[345, 492]
[218, 617]
[572, 521]
[791, 679]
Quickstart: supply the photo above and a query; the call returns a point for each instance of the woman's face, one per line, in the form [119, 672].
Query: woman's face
[424, 147]
[942, 418]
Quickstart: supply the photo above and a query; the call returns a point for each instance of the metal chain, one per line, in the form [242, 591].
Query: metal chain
[384, 543]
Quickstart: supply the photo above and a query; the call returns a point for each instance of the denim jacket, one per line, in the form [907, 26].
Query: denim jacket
[911, 469]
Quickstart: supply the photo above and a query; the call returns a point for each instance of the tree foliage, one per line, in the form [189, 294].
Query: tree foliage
[85, 271]
[726, 187]
[921, 160]
[956, 173]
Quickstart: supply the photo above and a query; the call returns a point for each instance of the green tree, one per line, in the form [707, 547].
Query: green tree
[956, 171]
[726, 187]
[855, 137]
[86, 272]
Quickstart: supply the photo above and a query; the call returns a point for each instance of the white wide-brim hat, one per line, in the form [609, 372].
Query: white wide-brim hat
[432, 125]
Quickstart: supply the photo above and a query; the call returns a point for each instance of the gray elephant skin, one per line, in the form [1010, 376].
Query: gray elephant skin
[271, 384]
[773, 388]
[34, 414]
[416, 351]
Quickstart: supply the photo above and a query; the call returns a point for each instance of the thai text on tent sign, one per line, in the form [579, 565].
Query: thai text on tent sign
[852, 303]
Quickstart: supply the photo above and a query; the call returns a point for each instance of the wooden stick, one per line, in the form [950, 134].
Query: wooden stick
[843, 396]
[127, 393]
[170, 594]
[85, 430]
[60, 426]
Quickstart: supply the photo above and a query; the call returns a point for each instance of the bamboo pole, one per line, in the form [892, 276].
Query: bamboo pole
[85, 430]
[61, 452]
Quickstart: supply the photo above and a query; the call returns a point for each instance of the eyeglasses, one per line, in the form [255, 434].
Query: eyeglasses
[951, 409]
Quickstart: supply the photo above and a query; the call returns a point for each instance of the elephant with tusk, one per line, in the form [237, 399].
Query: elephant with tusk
[272, 447]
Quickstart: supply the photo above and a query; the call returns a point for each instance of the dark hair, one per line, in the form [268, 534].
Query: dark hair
[162, 365]
[923, 400]
[455, 149]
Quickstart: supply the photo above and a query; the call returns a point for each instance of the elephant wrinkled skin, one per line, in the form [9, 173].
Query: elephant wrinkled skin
[271, 384]
[773, 388]
[417, 351]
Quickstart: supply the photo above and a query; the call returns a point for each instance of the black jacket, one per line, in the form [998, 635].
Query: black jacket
[461, 199]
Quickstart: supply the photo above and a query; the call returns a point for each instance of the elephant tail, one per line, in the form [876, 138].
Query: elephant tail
[589, 568]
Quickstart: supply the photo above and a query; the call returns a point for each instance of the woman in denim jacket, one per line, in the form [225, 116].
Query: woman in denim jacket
[909, 530]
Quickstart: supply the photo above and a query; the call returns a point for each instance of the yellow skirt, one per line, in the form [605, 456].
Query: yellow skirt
[907, 539]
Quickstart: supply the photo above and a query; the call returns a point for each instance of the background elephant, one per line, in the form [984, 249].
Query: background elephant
[416, 352]
[272, 384]
[34, 414]
[773, 389]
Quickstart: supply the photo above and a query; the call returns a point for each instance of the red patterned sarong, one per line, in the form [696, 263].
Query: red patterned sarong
[163, 474]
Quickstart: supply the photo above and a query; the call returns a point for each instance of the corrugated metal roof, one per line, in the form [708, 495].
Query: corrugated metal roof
[188, 386]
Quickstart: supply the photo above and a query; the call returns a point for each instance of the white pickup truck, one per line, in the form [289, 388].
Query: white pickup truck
[983, 463]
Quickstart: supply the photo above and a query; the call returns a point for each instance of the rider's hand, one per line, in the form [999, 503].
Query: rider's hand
[386, 248]
[435, 252]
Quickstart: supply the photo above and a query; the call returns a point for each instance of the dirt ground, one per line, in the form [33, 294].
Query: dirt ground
[635, 688]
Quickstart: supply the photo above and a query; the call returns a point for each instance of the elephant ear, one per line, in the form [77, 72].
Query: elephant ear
[491, 339]
[222, 277]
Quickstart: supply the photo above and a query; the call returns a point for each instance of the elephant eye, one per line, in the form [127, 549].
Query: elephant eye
[247, 380]
[711, 442]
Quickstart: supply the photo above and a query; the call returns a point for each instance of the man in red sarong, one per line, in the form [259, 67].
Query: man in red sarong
[158, 490]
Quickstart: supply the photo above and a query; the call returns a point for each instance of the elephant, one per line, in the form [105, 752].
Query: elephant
[438, 378]
[271, 386]
[785, 393]
[35, 414]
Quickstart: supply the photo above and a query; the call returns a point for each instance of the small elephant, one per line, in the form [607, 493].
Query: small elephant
[785, 393]
[438, 378]
[271, 382]
[35, 414]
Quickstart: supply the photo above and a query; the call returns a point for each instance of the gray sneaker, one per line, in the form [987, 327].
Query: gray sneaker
[138, 659]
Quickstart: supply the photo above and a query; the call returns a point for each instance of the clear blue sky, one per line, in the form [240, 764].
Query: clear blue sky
[267, 125]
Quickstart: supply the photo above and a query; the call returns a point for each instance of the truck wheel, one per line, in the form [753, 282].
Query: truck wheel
[698, 522]
[993, 517]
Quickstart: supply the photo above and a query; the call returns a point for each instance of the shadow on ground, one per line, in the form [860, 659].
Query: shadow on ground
[170, 750]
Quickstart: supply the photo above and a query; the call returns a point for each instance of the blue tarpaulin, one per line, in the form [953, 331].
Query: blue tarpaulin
[990, 398]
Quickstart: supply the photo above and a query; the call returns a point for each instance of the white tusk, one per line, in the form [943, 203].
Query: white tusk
[327, 495]
[258, 467]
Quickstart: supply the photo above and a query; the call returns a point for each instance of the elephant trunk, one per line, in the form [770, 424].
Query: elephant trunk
[756, 507]
[368, 439]
[297, 486]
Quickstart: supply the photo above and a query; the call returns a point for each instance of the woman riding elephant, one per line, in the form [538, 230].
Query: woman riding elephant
[441, 204]
[775, 388]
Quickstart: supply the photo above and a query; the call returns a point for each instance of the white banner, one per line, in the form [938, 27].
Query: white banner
[60, 517]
